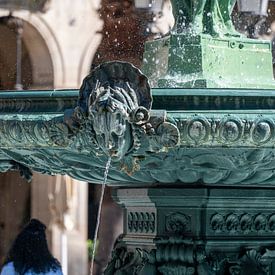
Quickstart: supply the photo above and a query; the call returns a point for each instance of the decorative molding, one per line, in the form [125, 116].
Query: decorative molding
[128, 261]
[30, 131]
[202, 102]
[178, 250]
[115, 103]
[171, 255]
[244, 223]
[35, 103]
[166, 135]
[252, 262]
[232, 130]
[176, 256]
[178, 223]
[148, 146]
[82, 160]
[173, 269]
[141, 222]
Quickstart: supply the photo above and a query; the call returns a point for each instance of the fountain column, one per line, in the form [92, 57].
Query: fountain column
[201, 230]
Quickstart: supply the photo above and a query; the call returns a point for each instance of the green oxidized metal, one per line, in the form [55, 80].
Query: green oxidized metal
[194, 169]
[233, 145]
[205, 51]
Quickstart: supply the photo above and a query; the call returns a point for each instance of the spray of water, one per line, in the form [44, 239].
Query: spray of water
[99, 212]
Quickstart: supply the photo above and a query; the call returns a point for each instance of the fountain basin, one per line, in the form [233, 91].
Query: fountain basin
[196, 136]
[192, 168]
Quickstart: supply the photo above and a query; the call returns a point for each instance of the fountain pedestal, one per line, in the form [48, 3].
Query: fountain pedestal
[195, 230]
[204, 61]
[204, 50]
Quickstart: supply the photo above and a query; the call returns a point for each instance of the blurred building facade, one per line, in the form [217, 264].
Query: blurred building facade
[59, 39]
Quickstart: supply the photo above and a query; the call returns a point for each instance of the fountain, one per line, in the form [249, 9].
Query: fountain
[193, 169]
[205, 51]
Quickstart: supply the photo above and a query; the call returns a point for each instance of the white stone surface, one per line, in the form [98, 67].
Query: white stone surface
[69, 29]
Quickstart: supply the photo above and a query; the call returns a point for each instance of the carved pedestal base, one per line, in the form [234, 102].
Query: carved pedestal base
[203, 61]
[202, 230]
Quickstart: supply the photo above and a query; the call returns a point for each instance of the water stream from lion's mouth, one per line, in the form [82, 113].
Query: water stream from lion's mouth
[99, 212]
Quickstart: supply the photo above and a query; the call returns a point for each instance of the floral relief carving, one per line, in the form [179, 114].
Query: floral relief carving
[252, 262]
[178, 223]
[152, 146]
[246, 222]
[242, 223]
[232, 222]
[44, 131]
[128, 261]
[177, 256]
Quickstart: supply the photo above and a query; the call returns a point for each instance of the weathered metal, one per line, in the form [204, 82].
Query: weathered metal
[202, 142]
[195, 230]
[205, 51]
[204, 16]
[188, 142]
[194, 169]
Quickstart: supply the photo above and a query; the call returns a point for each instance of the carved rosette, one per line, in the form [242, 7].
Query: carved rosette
[178, 223]
[166, 135]
[231, 129]
[246, 222]
[197, 130]
[217, 223]
[262, 131]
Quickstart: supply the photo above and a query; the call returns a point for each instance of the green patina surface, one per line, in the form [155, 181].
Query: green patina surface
[204, 61]
[232, 146]
[194, 169]
[204, 51]
[204, 16]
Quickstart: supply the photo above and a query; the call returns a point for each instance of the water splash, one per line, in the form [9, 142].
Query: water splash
[99, 212]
